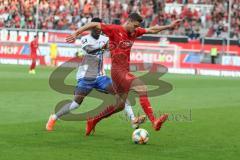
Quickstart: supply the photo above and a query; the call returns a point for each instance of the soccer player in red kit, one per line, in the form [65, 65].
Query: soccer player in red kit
[121, 39]
[33, 52]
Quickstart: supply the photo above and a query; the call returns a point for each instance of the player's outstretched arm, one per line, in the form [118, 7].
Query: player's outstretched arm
[157, 28]
[89, 26]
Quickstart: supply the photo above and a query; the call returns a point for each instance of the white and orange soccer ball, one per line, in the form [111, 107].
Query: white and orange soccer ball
[140, 136]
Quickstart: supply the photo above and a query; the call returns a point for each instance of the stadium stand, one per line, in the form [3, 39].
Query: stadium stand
[201, 17]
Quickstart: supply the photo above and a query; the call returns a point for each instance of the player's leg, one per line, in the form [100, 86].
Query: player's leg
[128, 110]
[32, 66]
[104, 83]
[82, 90]
[136, 121]
[122, 84]
[108, 111]
[78, 98]
[141, 89]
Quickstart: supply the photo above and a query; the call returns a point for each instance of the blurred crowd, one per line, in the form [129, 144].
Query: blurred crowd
[200, 17]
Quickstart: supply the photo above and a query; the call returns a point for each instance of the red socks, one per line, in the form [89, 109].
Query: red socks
[106, 113]
[147, 107]
[144, 103]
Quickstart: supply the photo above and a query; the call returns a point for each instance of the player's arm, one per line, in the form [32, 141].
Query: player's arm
[30, 48]
[157, 28]
[89, 26]
[38, 49]
[106, 46]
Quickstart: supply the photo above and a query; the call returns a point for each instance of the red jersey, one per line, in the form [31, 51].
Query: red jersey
[34, 47]
[120, 43]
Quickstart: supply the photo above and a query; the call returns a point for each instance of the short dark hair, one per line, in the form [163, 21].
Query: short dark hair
[135, 17]
[96, 19]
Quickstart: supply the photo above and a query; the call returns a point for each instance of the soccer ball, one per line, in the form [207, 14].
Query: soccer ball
[140, 136]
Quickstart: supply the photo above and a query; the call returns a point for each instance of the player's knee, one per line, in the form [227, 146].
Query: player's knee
[79, 98]
[119, 109]
[79, 101]
[120, 105]
[141, 90]
[139, 87]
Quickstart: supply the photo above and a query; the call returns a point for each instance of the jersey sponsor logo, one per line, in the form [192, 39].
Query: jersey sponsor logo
[125, 44]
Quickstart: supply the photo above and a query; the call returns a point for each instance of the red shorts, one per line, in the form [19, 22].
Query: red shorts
[34, 56]
[122, 80]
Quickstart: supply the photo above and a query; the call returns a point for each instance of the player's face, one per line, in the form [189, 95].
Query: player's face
[133, 25]
[96, 33]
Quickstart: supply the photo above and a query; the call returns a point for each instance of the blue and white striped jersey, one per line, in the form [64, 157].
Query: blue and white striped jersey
[92, 63]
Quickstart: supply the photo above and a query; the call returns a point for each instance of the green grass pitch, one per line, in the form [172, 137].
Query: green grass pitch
[208, 126]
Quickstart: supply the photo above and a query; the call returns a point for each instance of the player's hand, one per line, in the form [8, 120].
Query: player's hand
[105, 46]
[71, 38]
[175, 24]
